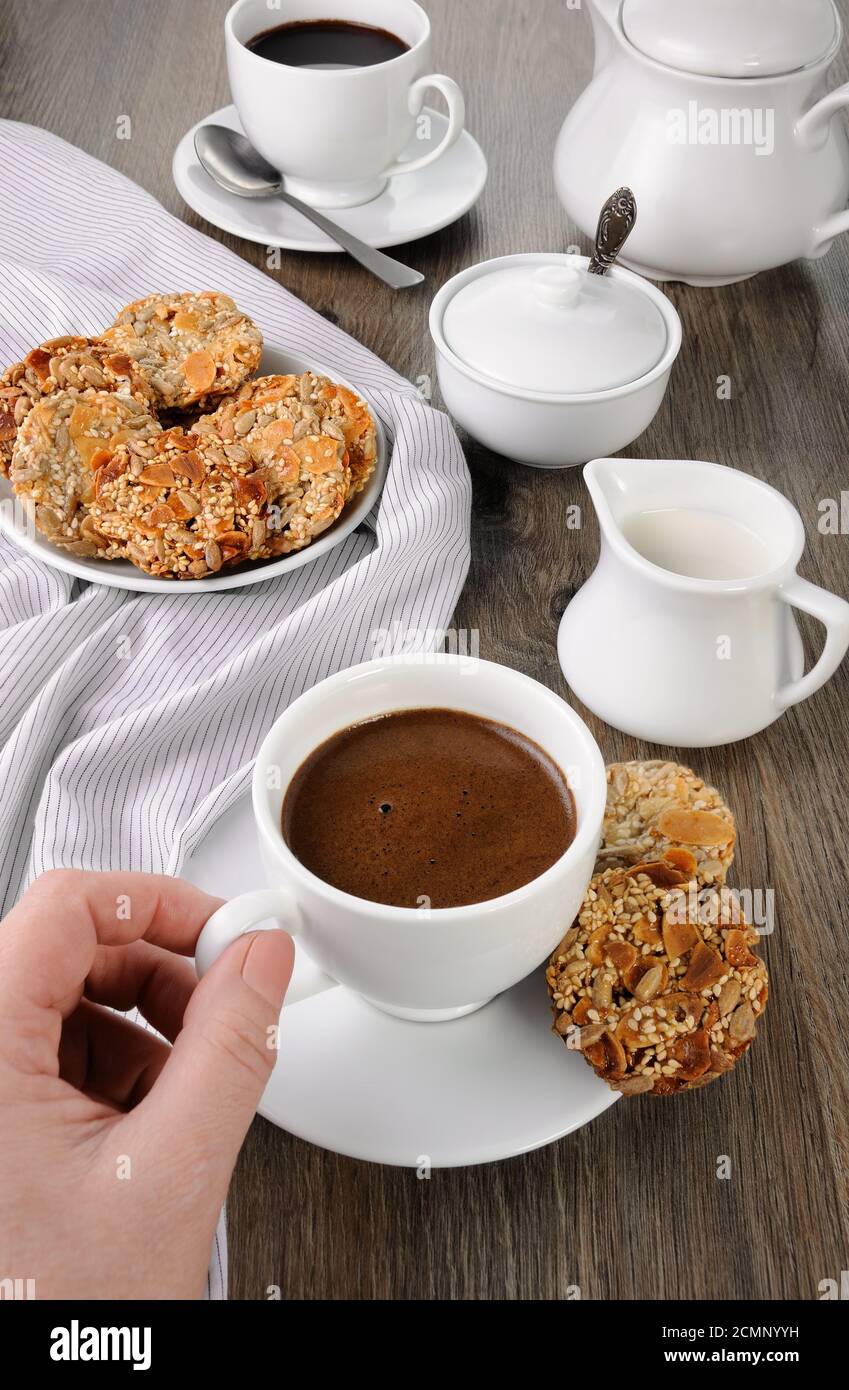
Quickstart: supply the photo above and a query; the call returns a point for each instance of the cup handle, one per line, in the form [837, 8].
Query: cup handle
[244, 914]
[833, 613]
[456, 121]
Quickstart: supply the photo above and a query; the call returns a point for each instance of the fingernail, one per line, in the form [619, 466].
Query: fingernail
[267, 967]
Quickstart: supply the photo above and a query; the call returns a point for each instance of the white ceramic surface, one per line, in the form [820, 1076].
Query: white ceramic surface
[356, 1081]
[692, 662]
[731, 38]
[553, 429]
[554, 328]
[337, 134]
[409, 208]
[437, 964]
[120, 574]
[732, 175]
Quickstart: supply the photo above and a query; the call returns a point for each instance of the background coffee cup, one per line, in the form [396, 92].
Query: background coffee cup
[424, 965]
[337, 134]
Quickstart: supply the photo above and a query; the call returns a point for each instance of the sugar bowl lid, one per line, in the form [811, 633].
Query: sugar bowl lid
[546, 324]
[732, 38]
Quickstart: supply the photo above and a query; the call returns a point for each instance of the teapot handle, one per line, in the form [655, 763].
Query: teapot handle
[812, 132]
[812, 128]
[825, 233]
[833, 613]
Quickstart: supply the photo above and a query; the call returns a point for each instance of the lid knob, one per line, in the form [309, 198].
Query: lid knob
[557, 285]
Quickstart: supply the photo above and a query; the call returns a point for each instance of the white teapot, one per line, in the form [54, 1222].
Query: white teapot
[717, 113]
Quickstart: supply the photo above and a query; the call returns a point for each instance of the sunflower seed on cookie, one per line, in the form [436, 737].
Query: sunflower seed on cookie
[192, 348]
[60, 446]
[658, 987]
[654, 807]
[84, 365]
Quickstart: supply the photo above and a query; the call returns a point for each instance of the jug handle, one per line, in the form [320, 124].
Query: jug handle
[833, 613]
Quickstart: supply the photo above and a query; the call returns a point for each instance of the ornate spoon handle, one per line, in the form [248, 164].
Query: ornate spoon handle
[615, 225]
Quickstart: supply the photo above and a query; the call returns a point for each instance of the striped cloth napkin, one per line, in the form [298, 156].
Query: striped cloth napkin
[129, 721]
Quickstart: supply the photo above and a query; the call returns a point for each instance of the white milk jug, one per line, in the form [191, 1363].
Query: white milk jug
[685, 633]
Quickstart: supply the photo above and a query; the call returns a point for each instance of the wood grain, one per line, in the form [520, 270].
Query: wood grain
[629, 1207]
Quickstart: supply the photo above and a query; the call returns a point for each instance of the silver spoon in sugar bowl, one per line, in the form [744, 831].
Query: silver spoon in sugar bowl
[231, 160]
[615, 225]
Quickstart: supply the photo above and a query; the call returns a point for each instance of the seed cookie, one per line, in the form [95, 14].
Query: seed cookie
[178, 508]
[77, 364]
[657, 986]
[358, 427]
[653, 807]
[316, 405]
[308, 489]
[60, 446]
[300, 452]
[192, 348]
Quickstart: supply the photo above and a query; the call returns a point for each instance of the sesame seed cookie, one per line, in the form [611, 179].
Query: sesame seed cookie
[316, 405]
[358, 427]
[657, 985]
[653, 807]
[60, 447]
[300, 453]
[192, 348]
[178, 509]
[308, 489]
[84, 365]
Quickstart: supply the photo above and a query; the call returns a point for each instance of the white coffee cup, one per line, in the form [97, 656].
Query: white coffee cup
[427, 965]
[336, 134]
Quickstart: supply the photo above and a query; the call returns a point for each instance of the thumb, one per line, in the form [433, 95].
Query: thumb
[208, 1091]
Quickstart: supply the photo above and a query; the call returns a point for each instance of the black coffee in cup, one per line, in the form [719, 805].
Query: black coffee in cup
[327, 43]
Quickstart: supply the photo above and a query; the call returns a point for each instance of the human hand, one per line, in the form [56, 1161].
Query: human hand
[116, 1150]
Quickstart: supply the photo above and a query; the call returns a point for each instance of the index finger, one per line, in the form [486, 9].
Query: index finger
[49, 940]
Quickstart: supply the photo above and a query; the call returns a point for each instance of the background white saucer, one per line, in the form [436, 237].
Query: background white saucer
[412, 205]
[120, 574]
[351, 1079]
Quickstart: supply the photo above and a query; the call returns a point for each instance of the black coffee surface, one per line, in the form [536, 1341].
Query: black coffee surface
[428, 807]
[327, 43]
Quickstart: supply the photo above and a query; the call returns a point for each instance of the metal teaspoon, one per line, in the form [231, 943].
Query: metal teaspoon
[231, 160]
[615, 225]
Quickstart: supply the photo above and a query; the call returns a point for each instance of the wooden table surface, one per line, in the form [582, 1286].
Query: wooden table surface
[631, 1206]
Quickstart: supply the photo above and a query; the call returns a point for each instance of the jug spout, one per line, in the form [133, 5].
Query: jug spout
[625, 492]
[614, 484]
[605, 21]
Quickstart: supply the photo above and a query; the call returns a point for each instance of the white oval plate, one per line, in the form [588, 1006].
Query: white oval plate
[120, 574]
[411, 206]
[358, 1082]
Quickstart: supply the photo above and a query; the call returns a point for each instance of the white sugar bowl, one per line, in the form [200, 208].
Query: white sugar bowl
[549, 364]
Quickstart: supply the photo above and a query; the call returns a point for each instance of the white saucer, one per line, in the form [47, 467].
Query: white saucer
[120, 574]
[412, 206]
[351, 1079]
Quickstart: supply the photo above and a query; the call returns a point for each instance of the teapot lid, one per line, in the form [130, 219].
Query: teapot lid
[732, 38]
[545, 324]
